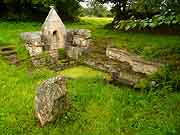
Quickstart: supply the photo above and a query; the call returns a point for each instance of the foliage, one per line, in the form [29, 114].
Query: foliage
[170, 5]
[125, 9]
[146, 6]
[156, 21]
[94, 8]
[38, 9]
[167, 79]
[119, 7]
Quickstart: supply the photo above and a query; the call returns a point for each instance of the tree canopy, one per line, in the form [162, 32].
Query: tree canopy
[95, 8]
[28, 9]
[124, 9]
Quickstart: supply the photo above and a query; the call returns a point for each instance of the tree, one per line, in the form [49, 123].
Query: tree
[124, 9]
[171, 5]
[95, 8]
[119, 9]
[23, 9]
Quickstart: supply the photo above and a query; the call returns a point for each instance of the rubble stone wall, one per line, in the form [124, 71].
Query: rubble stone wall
[120, 71]
[122, 65]
[32, 43]
[77, 43]
[137, 64]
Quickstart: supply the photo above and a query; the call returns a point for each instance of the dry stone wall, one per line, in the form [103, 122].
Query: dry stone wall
[120, 72]
[32, 43]
[77, 43]
[123, 66]
[137, 64]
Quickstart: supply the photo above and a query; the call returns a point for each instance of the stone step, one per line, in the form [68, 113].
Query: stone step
[10, 54]
[7, 47]
[4, 48]
[7, 53]
[11, 57]
[14, 62]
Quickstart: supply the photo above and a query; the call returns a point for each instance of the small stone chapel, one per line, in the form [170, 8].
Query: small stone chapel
[53, 33]
[54, 36]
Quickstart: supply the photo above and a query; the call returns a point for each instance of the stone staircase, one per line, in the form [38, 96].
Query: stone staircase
[9, 53]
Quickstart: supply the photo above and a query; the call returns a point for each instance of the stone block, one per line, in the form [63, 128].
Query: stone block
[83, 33]
[74, 52]
[137, 64]
[51, 100]
[34, 51]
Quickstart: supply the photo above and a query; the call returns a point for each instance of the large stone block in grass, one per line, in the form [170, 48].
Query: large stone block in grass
[137, 64]
[51, 100]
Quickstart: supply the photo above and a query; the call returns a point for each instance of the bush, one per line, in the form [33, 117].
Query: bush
[37, 9]
[148, 23]
[166, 79]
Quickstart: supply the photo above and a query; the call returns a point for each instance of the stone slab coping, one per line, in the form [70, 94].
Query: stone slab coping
[133, 57]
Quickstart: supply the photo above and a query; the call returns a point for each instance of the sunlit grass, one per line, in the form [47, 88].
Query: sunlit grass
[97, 107]
[83, 72]
[148, 45]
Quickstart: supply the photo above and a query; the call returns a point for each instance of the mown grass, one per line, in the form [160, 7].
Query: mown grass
[97, 108]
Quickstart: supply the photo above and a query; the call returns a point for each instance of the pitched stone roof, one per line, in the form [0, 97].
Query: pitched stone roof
[53, 21]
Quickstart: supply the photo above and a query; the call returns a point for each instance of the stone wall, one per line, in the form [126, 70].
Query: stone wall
[124, 67]
[32, 43]
[137, 64]
[34, 47]
[120, 71]
[77, 43]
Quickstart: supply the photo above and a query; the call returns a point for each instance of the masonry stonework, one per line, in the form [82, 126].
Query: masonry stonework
[77, 43]
[54, 36]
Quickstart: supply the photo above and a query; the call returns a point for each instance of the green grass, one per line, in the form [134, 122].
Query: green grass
[83, 72]
[98, 108]
[150, 46]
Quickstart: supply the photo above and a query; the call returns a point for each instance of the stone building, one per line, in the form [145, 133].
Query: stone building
[52, 37]
[53, 34]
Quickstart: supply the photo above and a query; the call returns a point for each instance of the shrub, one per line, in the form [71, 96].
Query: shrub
[166, 79]
[148, 23]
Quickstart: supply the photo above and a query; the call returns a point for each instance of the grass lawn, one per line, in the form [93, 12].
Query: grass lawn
[150, 46]
[98, 108]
